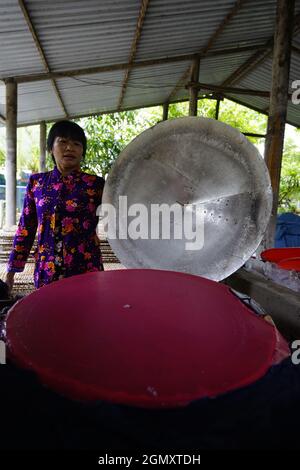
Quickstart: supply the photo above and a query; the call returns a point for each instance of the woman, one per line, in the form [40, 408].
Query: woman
[61, 205]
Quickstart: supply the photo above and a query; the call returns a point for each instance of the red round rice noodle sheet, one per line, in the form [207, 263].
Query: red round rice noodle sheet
[141, 337]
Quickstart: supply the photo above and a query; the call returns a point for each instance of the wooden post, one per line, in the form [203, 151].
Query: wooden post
[217, 108]
[278, 104]
[194, 91]
[42, 146]
[11, 152]
[165, 111]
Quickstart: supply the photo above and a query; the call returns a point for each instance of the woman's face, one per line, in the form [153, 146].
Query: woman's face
[67, 153]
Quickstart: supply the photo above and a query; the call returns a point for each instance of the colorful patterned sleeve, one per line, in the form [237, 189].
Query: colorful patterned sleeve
[25, 233]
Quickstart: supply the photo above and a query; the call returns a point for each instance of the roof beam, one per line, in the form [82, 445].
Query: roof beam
[184, 100]
[236, 7]
[206, 48]
[137, 35]
[257, 58]
[249, 64]
[223, 89]
[180, 84]
[41, 52]
[111, 111]
[116, 67]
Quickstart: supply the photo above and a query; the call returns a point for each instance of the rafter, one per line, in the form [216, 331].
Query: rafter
[251, 63]
[137, 35]
[206, 48]
[224, 89]
[181, 82]
[183, 100]
[41, 51]
[257, 58]
[123, 66]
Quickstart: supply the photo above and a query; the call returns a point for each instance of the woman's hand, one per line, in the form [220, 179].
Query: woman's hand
[10, 281]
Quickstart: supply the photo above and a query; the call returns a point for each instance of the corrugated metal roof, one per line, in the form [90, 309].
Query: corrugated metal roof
[89, 93]
[176, 27]
[18, 52]
[151, 85]
[254, 24]
[76, 35]
[37, 102]
[226, 65]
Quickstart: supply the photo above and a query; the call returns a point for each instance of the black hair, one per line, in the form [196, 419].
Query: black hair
[69, 130]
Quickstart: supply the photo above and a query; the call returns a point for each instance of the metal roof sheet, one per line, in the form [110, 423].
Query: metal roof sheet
[18, 51]
[87, 93]
[152, 85]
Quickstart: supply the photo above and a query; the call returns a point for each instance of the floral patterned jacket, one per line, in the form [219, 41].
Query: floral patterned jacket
[69, 203]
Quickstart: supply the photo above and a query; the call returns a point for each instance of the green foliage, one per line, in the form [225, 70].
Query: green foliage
[108, 134]
[178, 110]
[2, 148]
[28, 149]
[2, 158]
[290, 177]
[240, 117]
[244, 119]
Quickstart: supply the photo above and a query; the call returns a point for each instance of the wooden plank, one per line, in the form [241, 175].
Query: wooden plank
[223, 89]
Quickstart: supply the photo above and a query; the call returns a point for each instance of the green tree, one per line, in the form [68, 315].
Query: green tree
[289, 192]
[2, 148]
[2, 158]
[107, 135]
[233, 114]
[28, 150]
